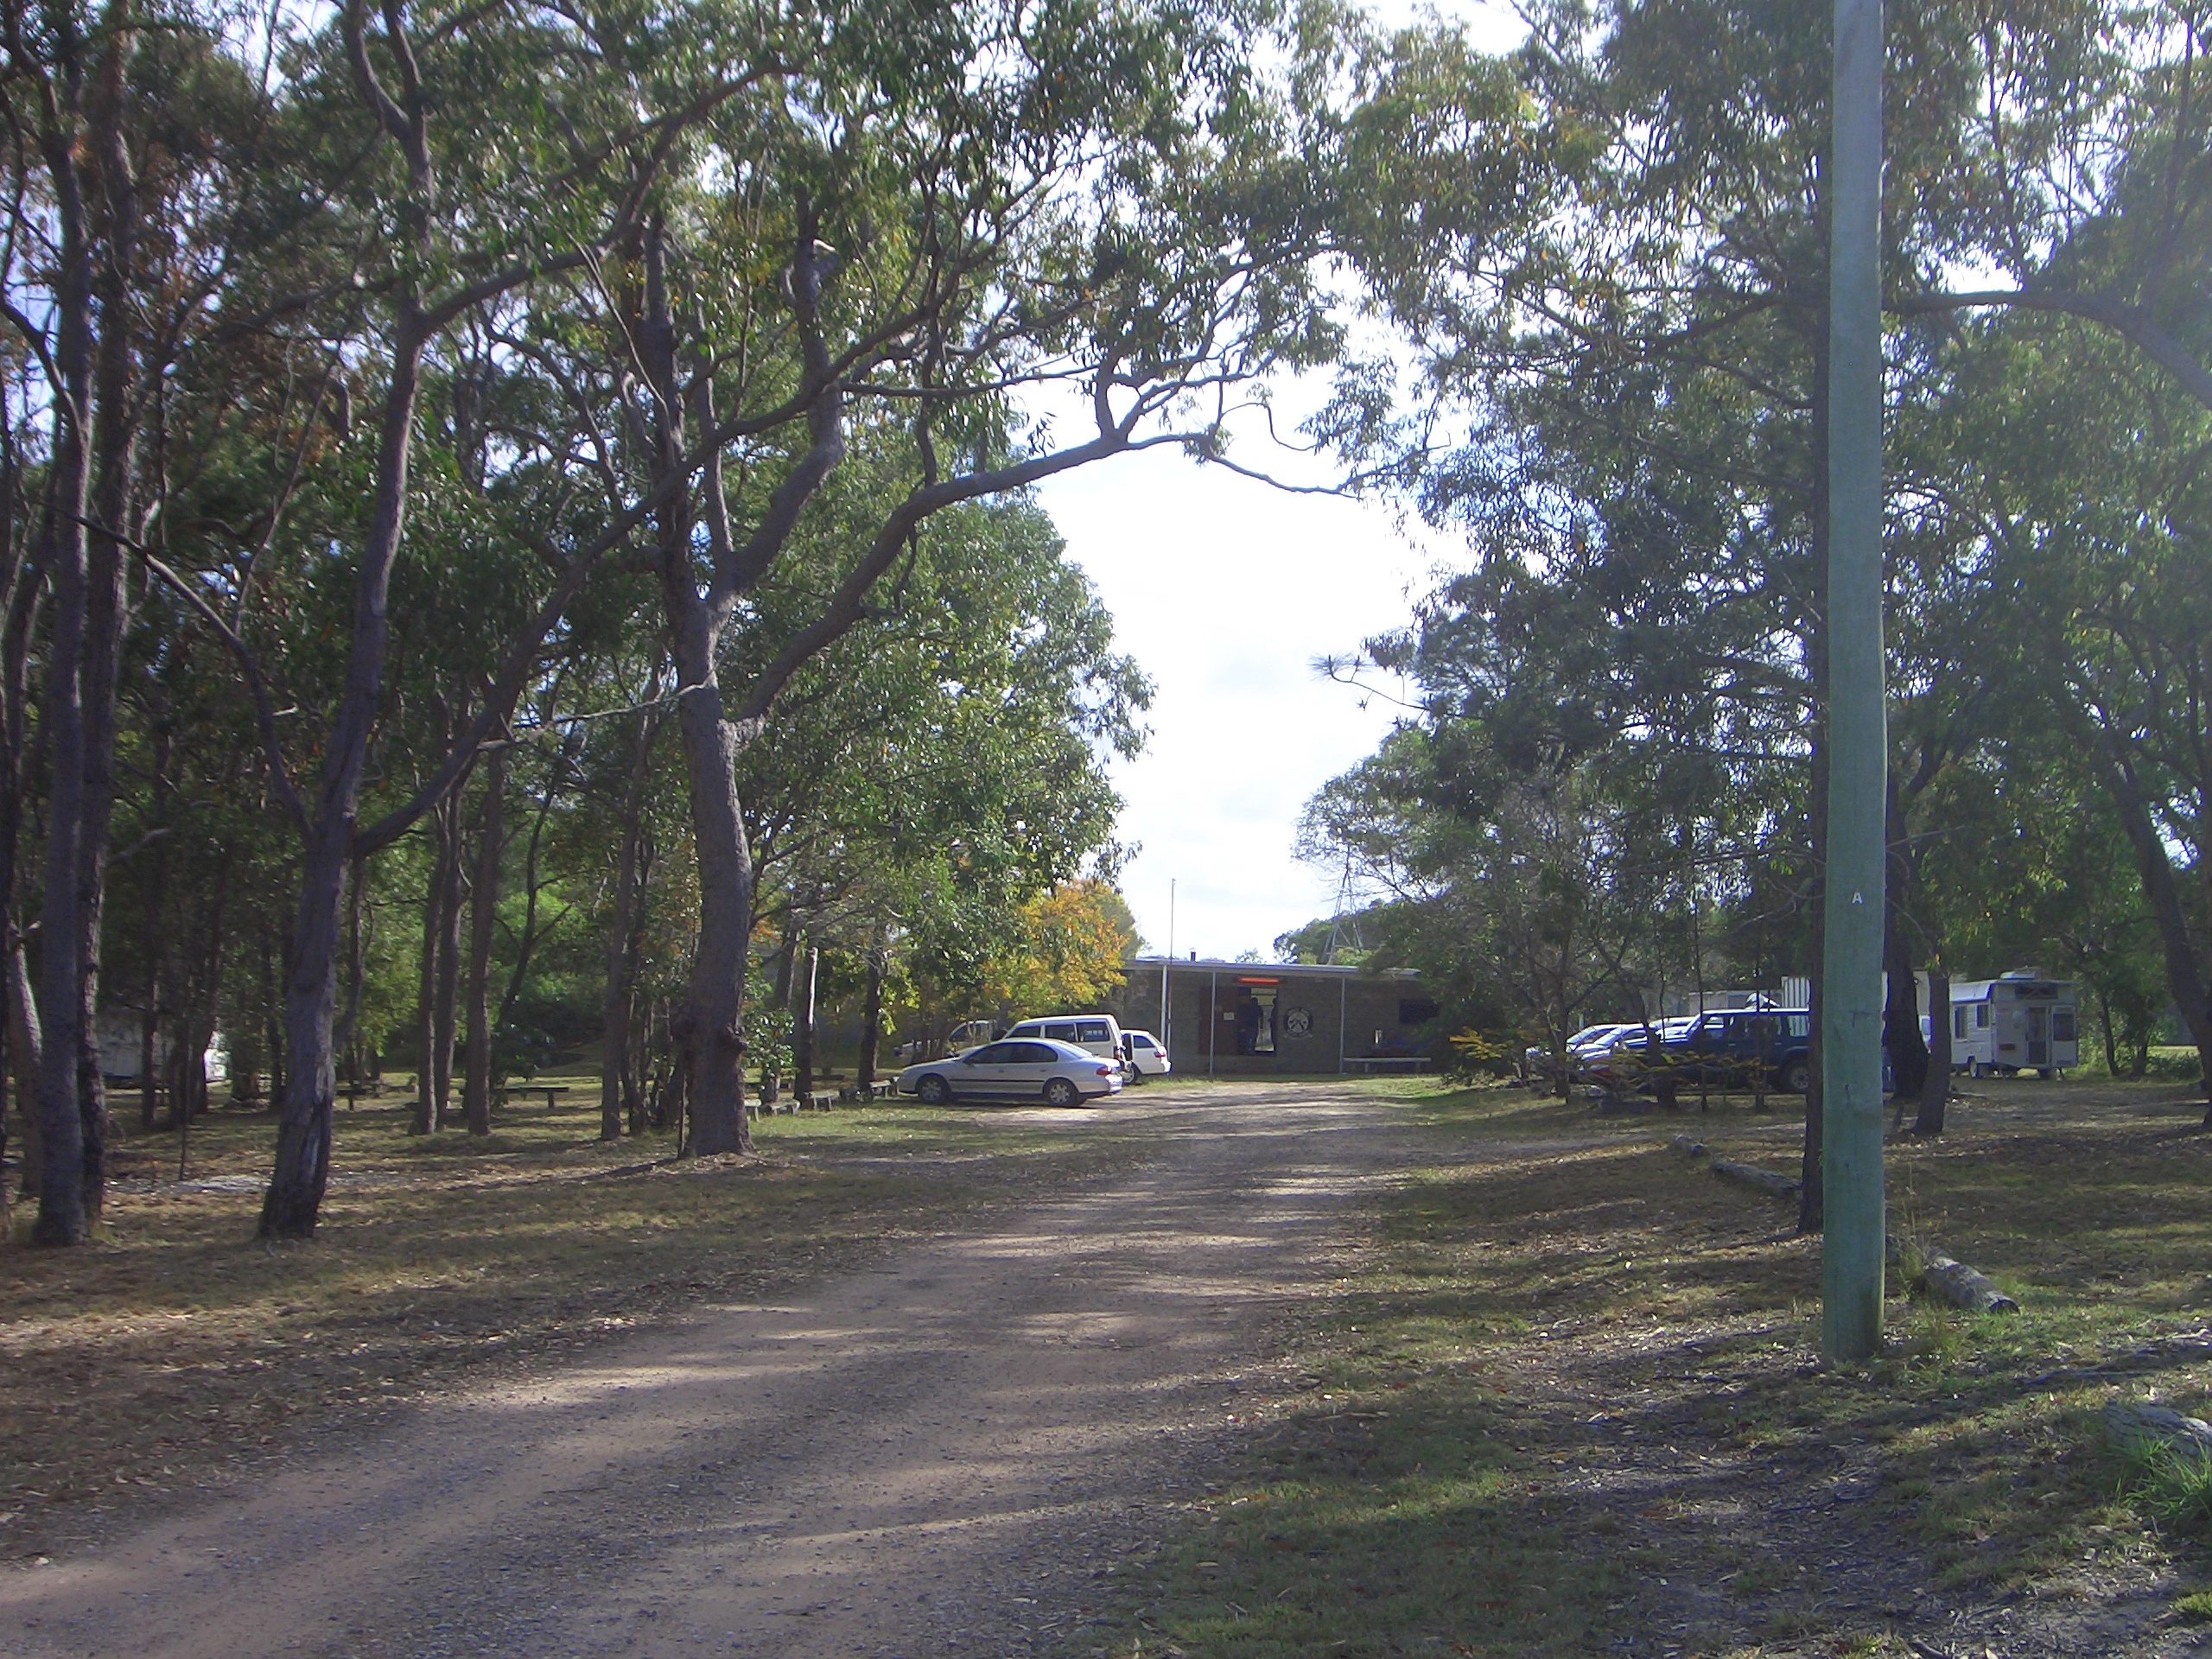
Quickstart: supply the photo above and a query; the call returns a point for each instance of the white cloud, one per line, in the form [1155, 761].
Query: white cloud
[1226, 590]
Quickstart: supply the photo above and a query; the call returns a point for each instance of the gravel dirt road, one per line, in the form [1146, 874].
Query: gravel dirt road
[944, 1454]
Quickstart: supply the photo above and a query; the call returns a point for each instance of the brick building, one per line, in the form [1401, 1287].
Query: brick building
[1244, 1018]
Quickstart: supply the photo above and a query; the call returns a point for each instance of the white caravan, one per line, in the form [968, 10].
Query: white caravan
[2020, 1022]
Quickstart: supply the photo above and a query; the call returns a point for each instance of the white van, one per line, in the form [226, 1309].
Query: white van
[1099, 1033]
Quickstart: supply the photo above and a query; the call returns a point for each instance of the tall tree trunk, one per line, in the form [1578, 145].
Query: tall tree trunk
[483, 913]
[804, 981]
[445, 998]
[61, 1214]
[1812, 1210]
[2184, 976]
[1936, 1087]
[707, 1031]
[1901, 1003]
[26, 1052]
[149, 1079]
[302, 1170]
[426, 983]
[617, 1073]
[872, 1013]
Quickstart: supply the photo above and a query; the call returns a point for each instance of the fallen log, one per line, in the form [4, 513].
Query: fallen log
[1688, 1148]
[1774, 1186]
[2138, 1426]
[1961, 1286]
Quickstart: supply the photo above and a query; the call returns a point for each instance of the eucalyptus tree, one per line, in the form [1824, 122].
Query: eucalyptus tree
[898, 239]
[130, 193]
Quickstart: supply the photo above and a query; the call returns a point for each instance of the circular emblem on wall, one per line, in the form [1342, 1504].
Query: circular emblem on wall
[1298, 1022]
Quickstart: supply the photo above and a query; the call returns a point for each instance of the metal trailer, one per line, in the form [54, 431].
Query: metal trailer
[2019, 1021]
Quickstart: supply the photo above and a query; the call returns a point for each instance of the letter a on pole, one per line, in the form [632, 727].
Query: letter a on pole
[1851, 1030]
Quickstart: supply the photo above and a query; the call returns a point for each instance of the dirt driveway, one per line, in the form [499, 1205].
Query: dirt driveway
[944, 1453]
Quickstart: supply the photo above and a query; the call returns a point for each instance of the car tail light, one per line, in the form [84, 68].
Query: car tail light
[1105, 1071]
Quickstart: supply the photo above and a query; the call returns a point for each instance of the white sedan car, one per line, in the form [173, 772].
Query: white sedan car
[1029, 1068]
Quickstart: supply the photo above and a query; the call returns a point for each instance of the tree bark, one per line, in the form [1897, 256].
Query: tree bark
[1811, 1205]
[302, 1170]
[804, 978]
[616, 1072]
[871, 1013]
[438, 827]
[483, 913]
[1936, 1088]
[707, 1032]
[2185, 977]
[445, 1002]
[1901, 1003]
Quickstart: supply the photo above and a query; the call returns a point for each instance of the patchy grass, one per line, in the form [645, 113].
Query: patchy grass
[1570, 1404]
[176, 1350]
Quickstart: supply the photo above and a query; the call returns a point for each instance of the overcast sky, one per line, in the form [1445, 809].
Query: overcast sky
[1225, 591]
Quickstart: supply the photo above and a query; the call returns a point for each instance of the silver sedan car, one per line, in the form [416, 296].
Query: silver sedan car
[1059, 1074]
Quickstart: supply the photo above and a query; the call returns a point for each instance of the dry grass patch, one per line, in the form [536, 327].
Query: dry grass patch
[177, 1350]
[1572, 1405]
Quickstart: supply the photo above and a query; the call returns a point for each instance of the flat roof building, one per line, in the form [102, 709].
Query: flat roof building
[1245, 1018]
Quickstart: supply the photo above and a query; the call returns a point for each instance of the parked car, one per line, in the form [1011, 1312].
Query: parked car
[1591, 1040]
[1144, 1055]
[1059, 1074]
[1728, 1046]
[1099, 1033]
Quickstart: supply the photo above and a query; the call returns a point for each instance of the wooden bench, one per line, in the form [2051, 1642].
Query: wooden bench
[551, 1091]
[1373, 1063]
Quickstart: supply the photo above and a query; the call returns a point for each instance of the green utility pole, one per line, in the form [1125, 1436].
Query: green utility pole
[1851, 1021]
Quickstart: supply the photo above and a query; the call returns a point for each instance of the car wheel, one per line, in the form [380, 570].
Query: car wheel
[933, 1090]
[1797, 1077]
[1062, 1091]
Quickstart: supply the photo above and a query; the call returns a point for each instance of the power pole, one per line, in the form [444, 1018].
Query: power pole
[1851, 1020]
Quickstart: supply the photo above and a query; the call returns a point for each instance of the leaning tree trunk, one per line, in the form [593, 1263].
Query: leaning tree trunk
[2184, 976]
[293, 1199]
[483, 911]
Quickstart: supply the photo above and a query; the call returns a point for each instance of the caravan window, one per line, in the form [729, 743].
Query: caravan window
[2061, 1025]
[1981, 1016]
[1959, 1022]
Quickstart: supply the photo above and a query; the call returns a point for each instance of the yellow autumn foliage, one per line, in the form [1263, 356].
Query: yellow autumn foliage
[1071, 943]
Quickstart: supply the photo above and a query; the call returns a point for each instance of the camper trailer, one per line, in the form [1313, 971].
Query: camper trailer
[2020, 1022]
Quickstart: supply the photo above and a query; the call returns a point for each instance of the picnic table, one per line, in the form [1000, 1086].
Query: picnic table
[552, 1091]
[1372, 1063]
